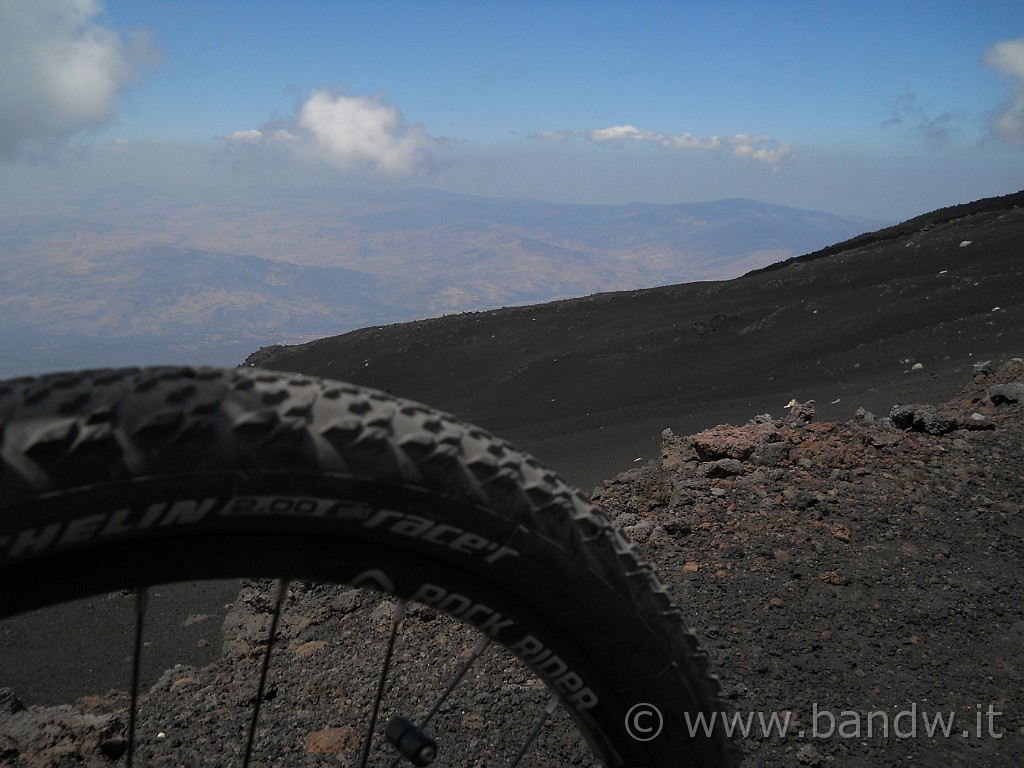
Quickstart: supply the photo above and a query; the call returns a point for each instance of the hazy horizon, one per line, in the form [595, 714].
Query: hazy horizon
[176, 167]
[869, 110]
[131, 275]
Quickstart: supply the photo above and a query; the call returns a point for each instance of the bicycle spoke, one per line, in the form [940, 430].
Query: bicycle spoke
[282, 590]
[396, 620]
[478, 649]
[481, 644]
[141, 603]
[548, 711]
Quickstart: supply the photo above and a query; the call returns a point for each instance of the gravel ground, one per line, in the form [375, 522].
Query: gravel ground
[839, 570]
[854, 580]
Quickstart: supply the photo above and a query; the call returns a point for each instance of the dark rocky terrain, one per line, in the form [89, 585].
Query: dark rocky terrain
[588, 384]
[855, 556]
[853, 580]
[839, 569]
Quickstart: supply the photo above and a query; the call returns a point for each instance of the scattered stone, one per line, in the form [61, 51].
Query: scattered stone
[921, 418]
[800, 413]
[309, 648]
[771, 454]
[60, 735]
[723, 468]
[976, 421]
[864, 416]
[808, 755]
[730, 442]
[9, 702]
[332, 741]
[676, 528]
[1003, 394]
[474, 722]
[841, 532]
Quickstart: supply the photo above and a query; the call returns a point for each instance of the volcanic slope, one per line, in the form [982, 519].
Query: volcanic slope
[588, 384]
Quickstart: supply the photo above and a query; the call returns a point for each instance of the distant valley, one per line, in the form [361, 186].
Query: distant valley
[132, 275]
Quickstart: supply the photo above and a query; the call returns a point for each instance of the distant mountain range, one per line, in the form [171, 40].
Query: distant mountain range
[132, 275]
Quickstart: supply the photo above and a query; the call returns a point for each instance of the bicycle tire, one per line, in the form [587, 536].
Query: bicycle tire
[131, 477]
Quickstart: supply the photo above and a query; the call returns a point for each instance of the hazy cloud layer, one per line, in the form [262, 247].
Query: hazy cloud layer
[352, 133]
[742, 146]
[59, 71]
[1007, 58]
[936, 130]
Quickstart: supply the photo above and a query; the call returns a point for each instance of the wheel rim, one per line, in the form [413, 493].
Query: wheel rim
[438, 703]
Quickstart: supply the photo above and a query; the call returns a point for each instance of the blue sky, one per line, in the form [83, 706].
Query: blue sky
[879, 109]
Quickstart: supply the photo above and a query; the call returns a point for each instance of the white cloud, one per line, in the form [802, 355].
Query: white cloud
[353, 133]
[742, 146]
[59, 72]
[1007, 58]
[360, 132]
[689, 141]
[251, 136]
[621, 133]
[559, 136]
[775, 154]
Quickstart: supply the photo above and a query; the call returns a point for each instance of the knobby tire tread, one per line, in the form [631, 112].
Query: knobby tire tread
[63, 431]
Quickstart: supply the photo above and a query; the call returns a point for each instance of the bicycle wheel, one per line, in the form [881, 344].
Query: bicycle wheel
[125, 478]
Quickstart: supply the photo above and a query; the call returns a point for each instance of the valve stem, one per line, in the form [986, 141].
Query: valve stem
[413, 744]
